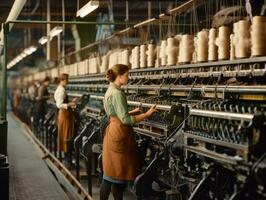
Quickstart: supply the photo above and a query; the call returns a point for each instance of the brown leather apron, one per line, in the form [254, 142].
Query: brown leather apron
[120, 158]
[65, 125]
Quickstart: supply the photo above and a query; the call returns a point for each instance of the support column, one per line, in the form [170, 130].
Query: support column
[3, 121]
[48, 28]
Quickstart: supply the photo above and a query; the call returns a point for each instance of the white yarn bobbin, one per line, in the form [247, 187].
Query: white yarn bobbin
[171, 51]
[178, 38]
[243, 43]
[163, 55]
[132, 58]
[143, 57]
[258, 36]
[223, 43]
[212, 47]
[137, 57]
[186, 49]
[150, 55]
[201, 46]
[125, 57]
[113, 59]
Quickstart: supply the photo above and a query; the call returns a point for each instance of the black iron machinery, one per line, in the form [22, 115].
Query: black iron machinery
[205, 139]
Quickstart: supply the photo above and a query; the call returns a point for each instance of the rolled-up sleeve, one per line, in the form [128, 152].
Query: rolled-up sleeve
[59, 96]
[121, 108]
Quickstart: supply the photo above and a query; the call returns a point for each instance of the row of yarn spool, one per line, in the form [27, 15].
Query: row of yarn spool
[54, 73]
[244, 41]
[88, 66]
[208, 45]
[27, 79]
[39, 76]
[114, 57]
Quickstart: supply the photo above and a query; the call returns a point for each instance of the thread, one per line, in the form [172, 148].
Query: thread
[150, 55]
[143, 56]
[163, 55]
[186, 49]
[258, 36]
[201, 46]
[223, 43]
[171, 51]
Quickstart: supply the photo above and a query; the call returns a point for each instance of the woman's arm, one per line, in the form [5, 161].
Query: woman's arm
[136, 111]
[143, 116]
[121, 109]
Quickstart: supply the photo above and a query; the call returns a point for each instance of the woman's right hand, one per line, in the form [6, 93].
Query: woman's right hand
[151, 111]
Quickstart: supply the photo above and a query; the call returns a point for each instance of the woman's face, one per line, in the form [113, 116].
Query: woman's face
[123, 78]
[65, 82]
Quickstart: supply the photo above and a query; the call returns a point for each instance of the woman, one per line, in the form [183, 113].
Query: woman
[65, 119]
[120, 159]
[43, 96]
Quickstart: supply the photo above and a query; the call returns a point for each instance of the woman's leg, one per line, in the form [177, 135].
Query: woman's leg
[105, 189]
[118, 190]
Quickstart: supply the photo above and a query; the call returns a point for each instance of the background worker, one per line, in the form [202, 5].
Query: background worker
[65, 117]
[43, 96]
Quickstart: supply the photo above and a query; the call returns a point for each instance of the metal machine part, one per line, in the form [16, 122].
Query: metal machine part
[210, 124]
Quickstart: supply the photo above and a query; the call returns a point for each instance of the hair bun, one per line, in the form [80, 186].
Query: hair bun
[110, 75]
[116, 70]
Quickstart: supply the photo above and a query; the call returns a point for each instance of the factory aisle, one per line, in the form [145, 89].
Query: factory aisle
[30, 178]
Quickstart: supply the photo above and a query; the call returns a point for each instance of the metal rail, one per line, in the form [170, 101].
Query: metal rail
[216, 156]
[186, 88]
[137, 103]
[217, 142]
[221, 115]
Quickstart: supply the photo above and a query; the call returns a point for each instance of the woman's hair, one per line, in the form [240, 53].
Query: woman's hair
[116, 70]
[63, 77]
[46, 79]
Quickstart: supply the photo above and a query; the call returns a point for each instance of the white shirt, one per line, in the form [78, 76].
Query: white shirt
[32, 92]
[59, 96]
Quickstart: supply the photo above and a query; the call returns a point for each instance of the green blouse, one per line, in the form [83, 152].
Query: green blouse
[115, 104]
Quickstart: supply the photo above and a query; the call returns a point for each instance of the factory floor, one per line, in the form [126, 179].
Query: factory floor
[29, 176]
